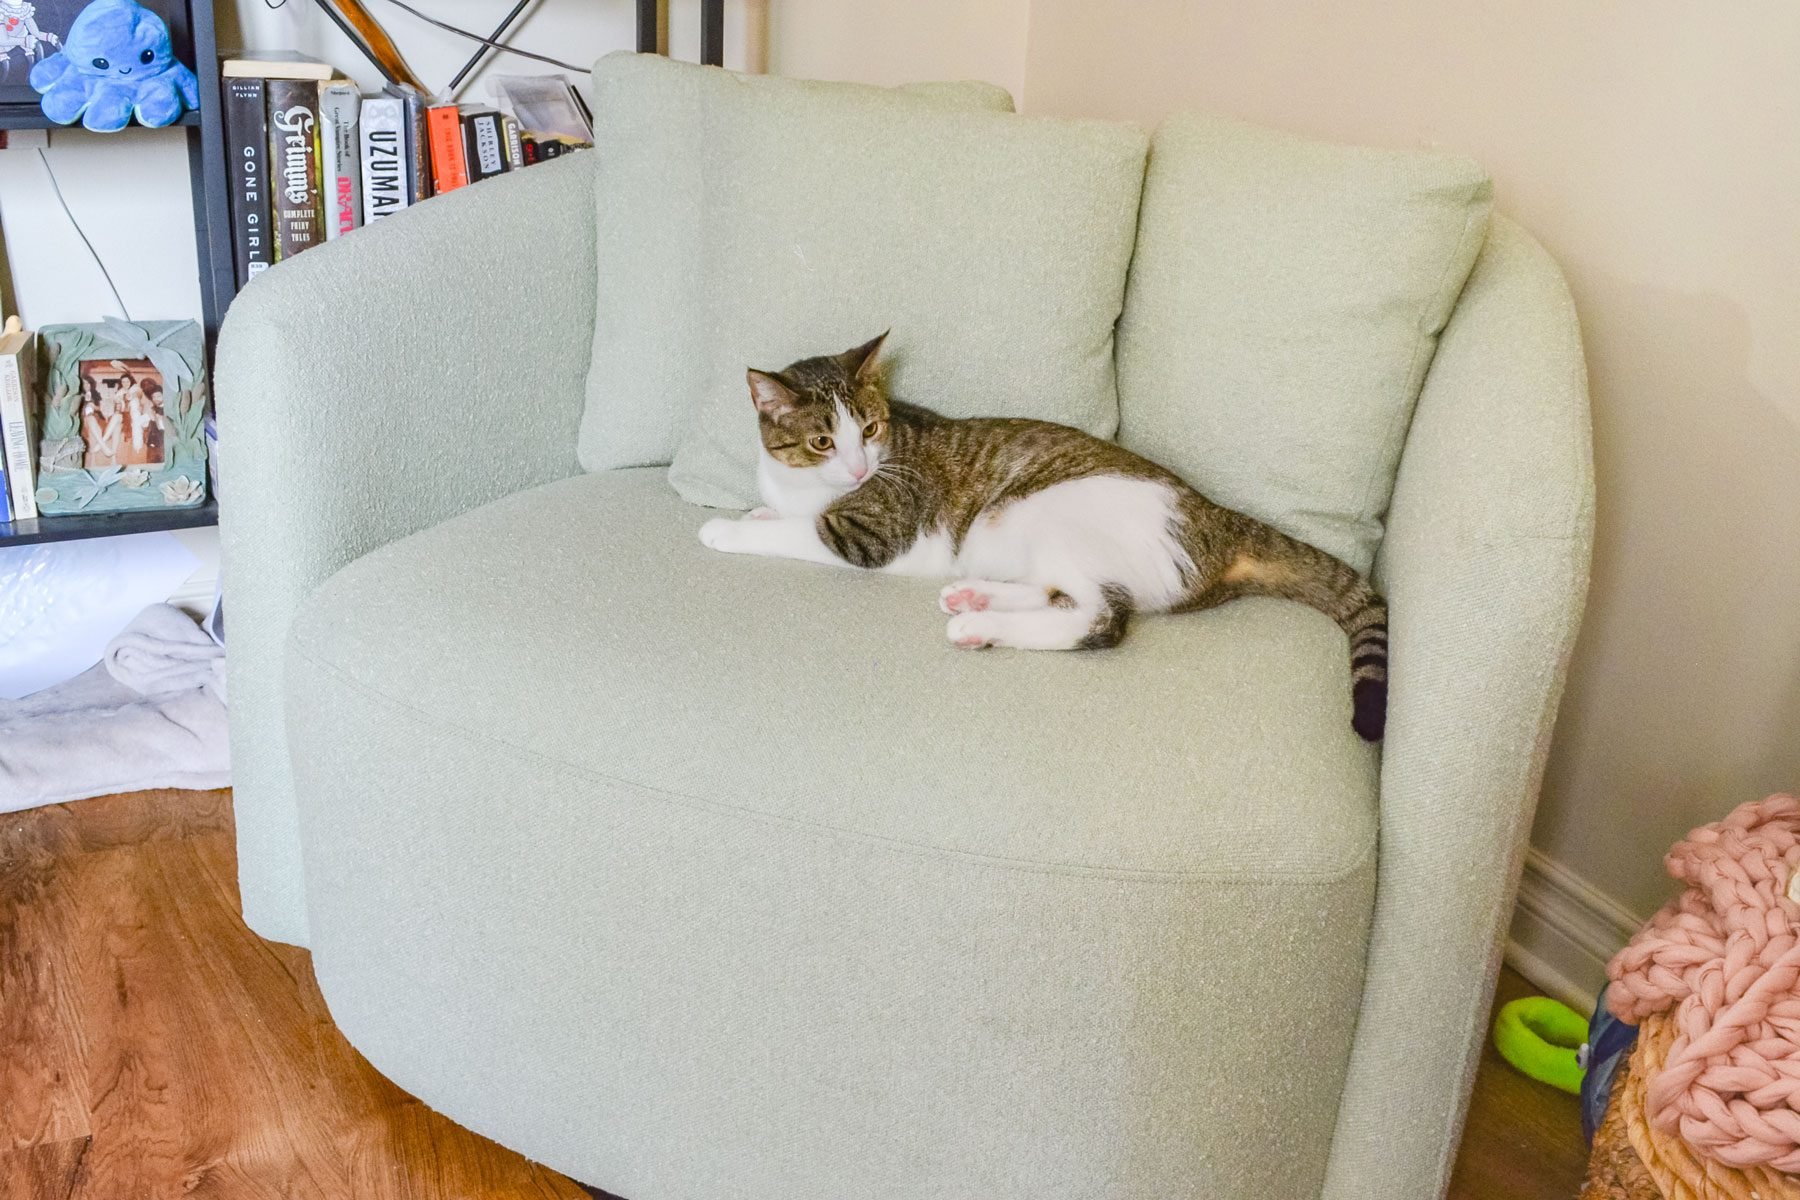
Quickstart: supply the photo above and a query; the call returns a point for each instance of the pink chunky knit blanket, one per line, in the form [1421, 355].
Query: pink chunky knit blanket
[1725, 958]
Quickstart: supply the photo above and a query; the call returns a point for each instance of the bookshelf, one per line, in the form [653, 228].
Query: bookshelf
[191, 25]
[190, 28]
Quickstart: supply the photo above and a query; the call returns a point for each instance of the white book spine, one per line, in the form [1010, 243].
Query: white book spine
[383, 157]
[15, 432]
[340, 159]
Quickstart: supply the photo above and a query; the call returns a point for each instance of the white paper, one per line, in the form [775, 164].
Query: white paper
[61, 603]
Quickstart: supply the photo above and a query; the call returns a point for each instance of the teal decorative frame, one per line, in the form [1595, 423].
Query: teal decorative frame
[175, 349]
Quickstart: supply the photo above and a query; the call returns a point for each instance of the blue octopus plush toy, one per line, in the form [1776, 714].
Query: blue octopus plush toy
[116, 61]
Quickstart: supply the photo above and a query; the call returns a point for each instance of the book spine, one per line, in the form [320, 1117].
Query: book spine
[449, 167]
[15, 433]
[418, 142]
[294, 165]
[383, 157]
[515, 144]
[340, 158]
[5, 493]
[247, 145]
[485, 143]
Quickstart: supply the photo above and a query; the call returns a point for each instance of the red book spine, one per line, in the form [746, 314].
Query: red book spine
[449, 167]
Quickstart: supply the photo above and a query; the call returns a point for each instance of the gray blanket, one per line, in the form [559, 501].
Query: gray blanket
[151, 714]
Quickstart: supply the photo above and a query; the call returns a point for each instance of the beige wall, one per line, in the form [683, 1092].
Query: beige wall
[1654, 146]
[900, 41]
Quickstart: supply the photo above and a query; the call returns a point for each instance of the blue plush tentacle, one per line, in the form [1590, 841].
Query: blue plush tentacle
[108, 109]
[65, 99]
[45, 74]
[158, 103]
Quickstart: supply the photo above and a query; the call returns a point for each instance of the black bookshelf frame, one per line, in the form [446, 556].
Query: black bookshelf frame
[191, 23]
[191, 28]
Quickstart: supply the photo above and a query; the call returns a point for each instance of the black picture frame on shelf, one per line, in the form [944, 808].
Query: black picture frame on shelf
[18, 100]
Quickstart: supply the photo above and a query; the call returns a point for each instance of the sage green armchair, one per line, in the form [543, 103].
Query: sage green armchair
[528, 771]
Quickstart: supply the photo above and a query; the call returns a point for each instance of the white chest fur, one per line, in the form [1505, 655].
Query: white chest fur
[792, 491]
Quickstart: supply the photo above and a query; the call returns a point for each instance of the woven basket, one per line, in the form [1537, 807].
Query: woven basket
[1677, 1172]
[1615, 1172]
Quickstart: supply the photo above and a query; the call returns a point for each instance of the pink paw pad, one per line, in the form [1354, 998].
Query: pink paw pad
[971, 643]
[965, 600]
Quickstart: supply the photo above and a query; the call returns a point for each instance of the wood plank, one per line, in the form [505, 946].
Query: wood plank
[43, 1094]
[216, 1069]
[133, 818]
[43, 1172]
[1523, 1138]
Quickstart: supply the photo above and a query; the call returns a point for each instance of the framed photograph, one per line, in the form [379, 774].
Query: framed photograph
[32, 30]
[123, 420]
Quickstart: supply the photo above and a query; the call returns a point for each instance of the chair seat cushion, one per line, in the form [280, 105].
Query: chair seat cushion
[584, 622]
[727, 876]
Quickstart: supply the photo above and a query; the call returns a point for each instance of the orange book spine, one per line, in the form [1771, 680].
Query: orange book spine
[449, 169]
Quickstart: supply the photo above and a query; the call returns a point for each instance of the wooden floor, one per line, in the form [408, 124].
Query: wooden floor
[152, 1047]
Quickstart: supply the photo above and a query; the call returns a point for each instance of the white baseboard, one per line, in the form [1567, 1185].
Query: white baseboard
[195, 596]
[1564, 930]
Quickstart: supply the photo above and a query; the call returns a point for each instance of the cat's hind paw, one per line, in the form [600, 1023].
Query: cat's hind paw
[968, 631]
[961, 597]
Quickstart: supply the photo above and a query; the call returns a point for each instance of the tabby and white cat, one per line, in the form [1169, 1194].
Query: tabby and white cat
[1053, 537]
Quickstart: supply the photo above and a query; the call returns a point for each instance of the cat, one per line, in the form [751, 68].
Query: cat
[1052, 538]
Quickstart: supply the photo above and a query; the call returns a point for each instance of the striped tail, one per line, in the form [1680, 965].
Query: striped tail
[1367, 627]
[1279, 565]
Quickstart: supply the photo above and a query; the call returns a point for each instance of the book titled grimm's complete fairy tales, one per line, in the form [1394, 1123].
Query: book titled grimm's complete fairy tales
[294, 163]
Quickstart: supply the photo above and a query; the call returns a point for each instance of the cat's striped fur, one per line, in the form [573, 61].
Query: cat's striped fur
[1057, 536]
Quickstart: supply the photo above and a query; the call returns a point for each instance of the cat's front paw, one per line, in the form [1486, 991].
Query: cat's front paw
[721, 533]
[761, 512]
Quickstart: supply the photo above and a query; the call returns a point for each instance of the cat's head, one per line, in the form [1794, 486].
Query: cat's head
[826, 414]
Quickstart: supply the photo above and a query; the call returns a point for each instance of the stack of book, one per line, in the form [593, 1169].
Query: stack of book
[312, 159]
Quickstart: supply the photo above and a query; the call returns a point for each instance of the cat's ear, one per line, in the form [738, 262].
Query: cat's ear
[859, 363]
[770, 393]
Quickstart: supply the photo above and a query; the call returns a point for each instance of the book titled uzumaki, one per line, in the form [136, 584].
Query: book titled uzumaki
[294, 165]
[383, 157]
[340, 158]
[247, 149]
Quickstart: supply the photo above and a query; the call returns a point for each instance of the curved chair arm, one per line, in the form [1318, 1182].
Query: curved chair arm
[1485, 566]
[370, 389]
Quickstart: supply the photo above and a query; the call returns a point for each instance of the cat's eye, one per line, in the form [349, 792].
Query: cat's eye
[873, 430]
[820, 442]
[147, 56]
[100, 64]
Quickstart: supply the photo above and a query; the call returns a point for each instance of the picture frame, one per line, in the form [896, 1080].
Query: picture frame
[121, 418]
[26, 30]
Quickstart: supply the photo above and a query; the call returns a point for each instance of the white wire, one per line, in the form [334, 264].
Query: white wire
[81, 233]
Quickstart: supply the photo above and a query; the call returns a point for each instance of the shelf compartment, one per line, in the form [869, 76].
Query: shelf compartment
[76, 526]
